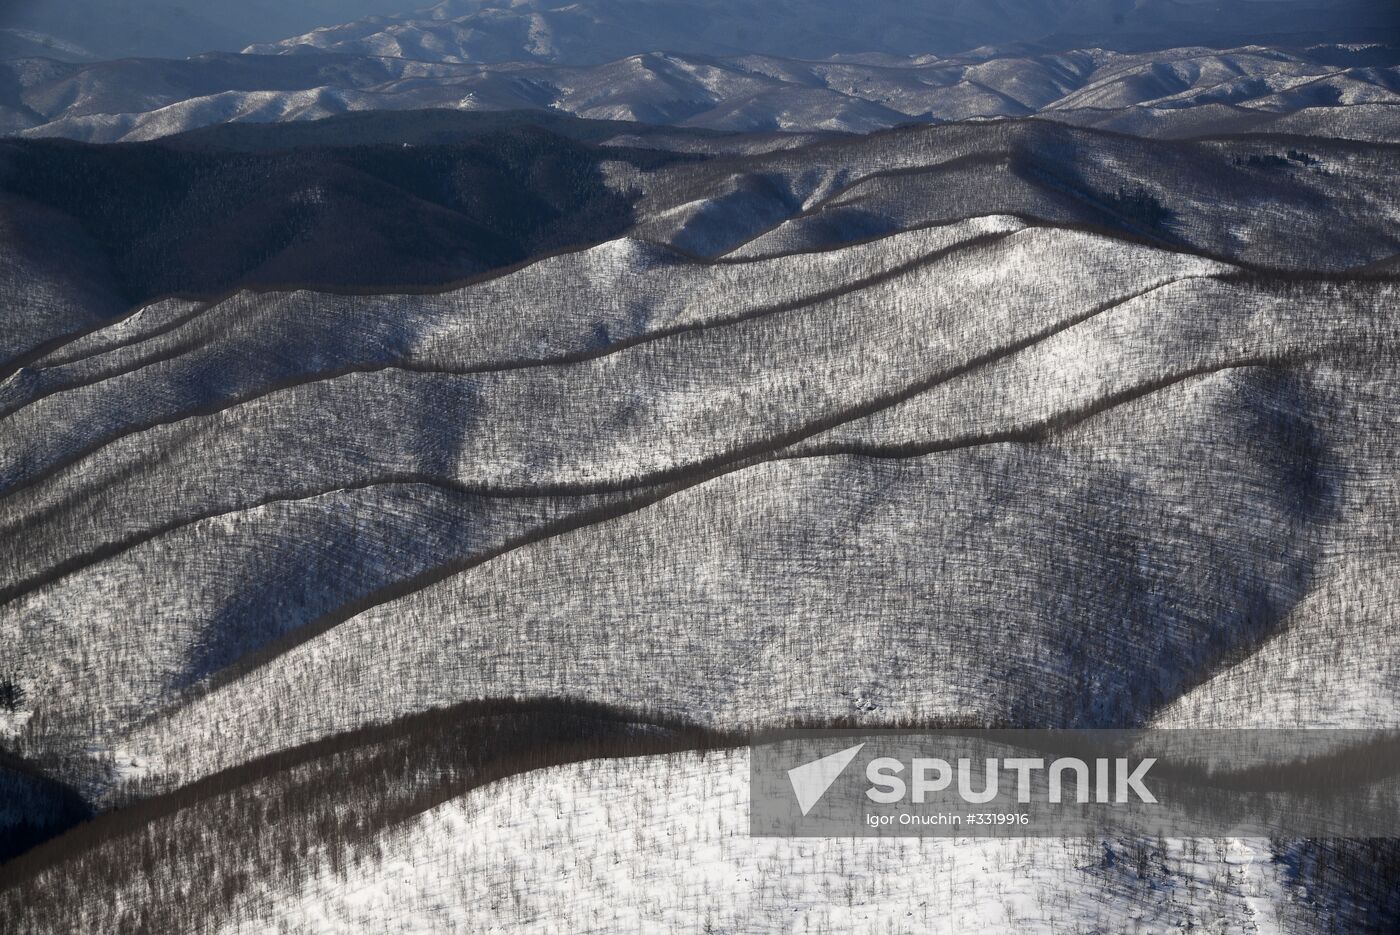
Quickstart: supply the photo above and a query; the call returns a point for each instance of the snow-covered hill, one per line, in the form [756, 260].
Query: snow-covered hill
[656, 844]
[1178, 92]
[93, 231]
[1288, 203]
[811, 485]
[662, 845]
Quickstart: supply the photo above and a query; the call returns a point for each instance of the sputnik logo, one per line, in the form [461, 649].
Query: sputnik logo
[811, 780]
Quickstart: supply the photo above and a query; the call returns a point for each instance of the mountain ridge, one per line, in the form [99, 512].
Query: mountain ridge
[1146, 93]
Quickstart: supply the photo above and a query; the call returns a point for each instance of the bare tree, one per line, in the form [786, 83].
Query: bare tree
[12, 694]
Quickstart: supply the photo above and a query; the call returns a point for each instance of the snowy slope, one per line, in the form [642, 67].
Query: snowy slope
[376, 834]
[662, 845]
[726, 468]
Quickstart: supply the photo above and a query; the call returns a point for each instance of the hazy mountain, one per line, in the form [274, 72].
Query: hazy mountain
[88, 29]
[1338, 91]
[26, 43]
[598, 31]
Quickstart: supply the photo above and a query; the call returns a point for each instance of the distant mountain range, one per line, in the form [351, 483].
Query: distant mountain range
[1151, 67]
[599, 31]
[1178, 92]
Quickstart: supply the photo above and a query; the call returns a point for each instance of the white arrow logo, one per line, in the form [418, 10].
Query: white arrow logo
[811, 780]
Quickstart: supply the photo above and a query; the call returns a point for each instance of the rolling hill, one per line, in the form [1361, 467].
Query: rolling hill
[892, 494]
[830, 389]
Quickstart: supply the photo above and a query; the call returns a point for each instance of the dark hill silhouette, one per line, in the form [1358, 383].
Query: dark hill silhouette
[177, 219]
